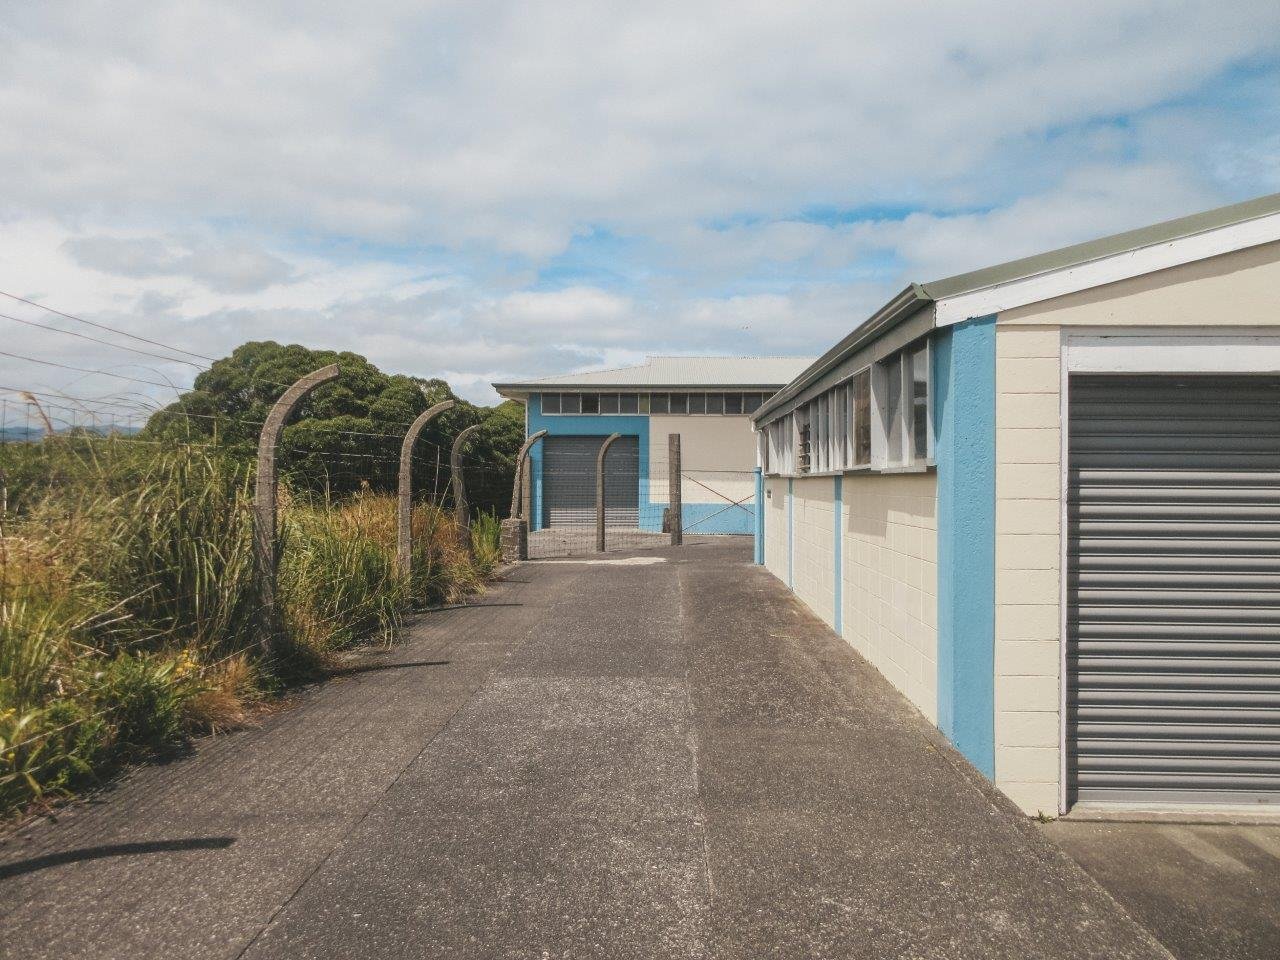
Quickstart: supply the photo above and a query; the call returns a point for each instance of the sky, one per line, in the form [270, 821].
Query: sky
[488, 191]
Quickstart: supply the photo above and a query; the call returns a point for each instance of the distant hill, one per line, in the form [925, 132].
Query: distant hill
[31, 434]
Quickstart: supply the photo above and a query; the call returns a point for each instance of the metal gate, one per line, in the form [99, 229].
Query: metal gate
[569, 481]
[1173, 590]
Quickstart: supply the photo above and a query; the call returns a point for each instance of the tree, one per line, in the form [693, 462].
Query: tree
[346, 434]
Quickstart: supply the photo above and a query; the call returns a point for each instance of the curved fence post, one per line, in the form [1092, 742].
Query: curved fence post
[515, 529]
[404, 496]
[264, 493]
[516, 500]
[460, 515]
[604, 448]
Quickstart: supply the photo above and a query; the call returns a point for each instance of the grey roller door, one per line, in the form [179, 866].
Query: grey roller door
[1174, 589]
[569, 481]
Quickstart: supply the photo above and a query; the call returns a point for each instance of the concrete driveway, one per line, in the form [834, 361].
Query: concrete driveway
[1209, 891]
[665, 758]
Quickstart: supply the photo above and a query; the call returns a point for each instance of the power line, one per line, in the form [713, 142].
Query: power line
[103, 326]
[106, 343]
[105, 373]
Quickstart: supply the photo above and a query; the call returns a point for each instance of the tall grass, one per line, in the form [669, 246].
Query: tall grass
[129, 617]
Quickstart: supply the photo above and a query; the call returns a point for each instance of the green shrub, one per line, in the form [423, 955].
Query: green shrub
[129, 616]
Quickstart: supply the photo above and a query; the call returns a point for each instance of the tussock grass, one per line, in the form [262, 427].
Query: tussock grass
[129, 618]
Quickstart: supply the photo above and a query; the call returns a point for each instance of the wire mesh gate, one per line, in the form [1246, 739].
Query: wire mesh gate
[572, 485]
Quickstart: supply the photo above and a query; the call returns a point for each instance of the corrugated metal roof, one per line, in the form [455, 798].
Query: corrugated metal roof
[759, 372]
[918, 295]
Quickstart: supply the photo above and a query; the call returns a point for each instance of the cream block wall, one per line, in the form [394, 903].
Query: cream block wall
[815, 542]
[1028, 546]
[775, 526]
[719, 452]
[890, 579]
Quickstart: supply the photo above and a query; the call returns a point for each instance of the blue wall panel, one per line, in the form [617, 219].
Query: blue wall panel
[964, 377]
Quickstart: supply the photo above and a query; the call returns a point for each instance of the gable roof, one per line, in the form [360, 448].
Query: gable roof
[1052, 274]
[748, 373]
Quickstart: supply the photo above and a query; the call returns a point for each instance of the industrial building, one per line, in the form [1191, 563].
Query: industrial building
[708, 401]
[1043, 499]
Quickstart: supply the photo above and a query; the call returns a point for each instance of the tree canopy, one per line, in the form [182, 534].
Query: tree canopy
[347, 433]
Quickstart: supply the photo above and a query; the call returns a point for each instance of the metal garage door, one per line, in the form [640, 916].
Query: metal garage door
[1174, 589]
[569, 481]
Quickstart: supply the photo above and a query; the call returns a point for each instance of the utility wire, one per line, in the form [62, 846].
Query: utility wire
[103, 326]
[105, 373]
[106, 343]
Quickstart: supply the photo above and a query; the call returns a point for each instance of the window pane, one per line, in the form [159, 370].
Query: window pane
[715, 403]
[570, 403]
[627, 403]
[658, 403]
[679, 403]
[891, 408]
[751, 402]
[642, 401]
[697, 403]
[733, 403]
[862, 417]
[591, 403]
[551, 403]
[920, 404]
[803, 437]
[608, 403]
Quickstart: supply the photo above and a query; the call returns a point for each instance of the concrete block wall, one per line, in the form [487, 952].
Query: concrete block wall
[890, 578]
[815, 543]
[1028, 551]
[775, 527]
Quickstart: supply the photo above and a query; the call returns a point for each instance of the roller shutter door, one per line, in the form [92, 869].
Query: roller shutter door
[569, 481]
[1173, 614]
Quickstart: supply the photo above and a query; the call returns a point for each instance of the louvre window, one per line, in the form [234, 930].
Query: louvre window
[551, 403]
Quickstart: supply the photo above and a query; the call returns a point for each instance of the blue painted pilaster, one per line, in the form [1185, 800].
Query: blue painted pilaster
[964, 377]
[759, 518]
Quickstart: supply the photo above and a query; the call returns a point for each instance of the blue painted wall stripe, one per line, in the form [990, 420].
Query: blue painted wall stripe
[759, 518]
[838, 510]
[964, 378]
[791, 533]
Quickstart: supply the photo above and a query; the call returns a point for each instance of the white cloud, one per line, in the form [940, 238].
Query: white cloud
[390, 177]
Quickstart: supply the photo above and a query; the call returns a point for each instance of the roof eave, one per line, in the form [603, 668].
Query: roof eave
[906, 303]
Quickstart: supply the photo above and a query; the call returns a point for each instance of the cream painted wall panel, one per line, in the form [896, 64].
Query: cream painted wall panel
[1028, 518]
[775, 527]
[815, 545]
[889, 590]
[1236, 289]
[1021, 445]
[718, 452]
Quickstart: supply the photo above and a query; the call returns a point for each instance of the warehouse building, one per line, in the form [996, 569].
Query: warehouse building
[707, 400]
[1043, 499]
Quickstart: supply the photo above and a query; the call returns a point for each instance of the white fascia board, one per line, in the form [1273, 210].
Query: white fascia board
[1096, 273]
